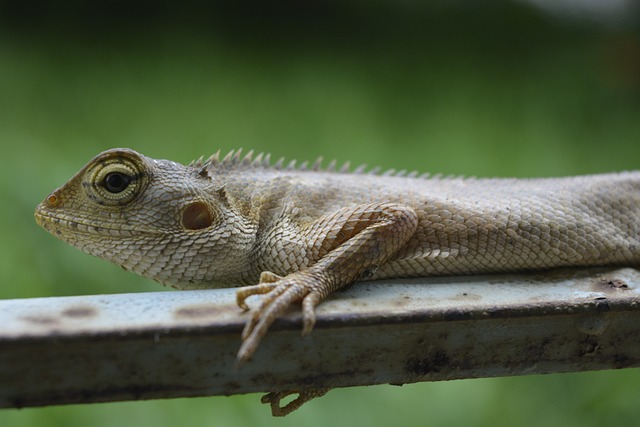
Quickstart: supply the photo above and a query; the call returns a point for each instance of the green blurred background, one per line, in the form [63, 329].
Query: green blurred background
[461, 87]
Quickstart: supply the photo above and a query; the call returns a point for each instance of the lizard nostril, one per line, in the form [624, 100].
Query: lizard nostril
[53, 200]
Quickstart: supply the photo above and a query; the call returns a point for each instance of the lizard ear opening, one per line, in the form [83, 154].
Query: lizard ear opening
[197, 216]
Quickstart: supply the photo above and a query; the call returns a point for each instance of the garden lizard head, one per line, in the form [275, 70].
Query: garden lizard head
[158, 218]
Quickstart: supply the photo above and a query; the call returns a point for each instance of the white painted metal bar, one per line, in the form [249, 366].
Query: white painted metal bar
[173, 344]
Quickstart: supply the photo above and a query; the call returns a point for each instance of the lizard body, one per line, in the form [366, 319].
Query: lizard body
[303, 232]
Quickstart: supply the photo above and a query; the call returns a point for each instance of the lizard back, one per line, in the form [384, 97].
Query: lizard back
[468, 225]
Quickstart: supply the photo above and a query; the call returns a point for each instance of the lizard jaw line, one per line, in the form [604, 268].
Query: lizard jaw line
[53, 223]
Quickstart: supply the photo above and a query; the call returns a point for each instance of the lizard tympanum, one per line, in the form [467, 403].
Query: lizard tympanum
[302, 232]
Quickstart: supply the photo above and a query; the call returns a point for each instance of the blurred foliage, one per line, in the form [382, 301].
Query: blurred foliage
[473, 88]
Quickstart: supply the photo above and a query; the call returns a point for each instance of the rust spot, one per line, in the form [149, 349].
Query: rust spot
[401, 302]
[613, 283]
[466, 296]
[79, 312]
[40, 320]
[194, 311]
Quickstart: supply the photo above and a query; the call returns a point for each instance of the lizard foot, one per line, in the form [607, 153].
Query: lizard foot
[304, 396]
[281, 292]
[265, 285]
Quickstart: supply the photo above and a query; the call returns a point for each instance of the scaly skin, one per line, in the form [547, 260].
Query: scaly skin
[303, 233]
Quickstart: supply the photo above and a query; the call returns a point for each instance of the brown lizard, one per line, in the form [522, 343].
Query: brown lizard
[303, 232]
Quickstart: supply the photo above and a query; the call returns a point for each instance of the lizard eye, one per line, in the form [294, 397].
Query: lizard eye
[116, 182]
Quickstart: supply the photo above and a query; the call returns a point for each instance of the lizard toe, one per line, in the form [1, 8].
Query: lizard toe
[269, 277]
[274, 305]
[246, 291]
[309, 303]
[274, 399]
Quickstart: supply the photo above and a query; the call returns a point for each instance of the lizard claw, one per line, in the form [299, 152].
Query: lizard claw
[269, 277]
[304, 396]
[267, 305]
[280, 294]
[246, 291]
[309, 311]
[265, 285]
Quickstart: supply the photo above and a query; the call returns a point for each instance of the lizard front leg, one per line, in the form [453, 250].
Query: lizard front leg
[350, 242]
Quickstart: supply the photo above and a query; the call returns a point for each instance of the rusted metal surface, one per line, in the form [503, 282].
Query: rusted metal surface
[172, 344]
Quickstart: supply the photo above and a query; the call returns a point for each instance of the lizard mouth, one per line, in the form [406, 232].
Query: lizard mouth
[57, 223]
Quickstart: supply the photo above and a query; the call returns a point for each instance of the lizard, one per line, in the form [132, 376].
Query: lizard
[295, 234]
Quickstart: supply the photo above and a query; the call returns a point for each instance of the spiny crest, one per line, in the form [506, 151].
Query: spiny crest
[235, 160]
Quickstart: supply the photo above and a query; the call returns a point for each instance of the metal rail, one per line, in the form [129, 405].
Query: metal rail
[173, 344]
